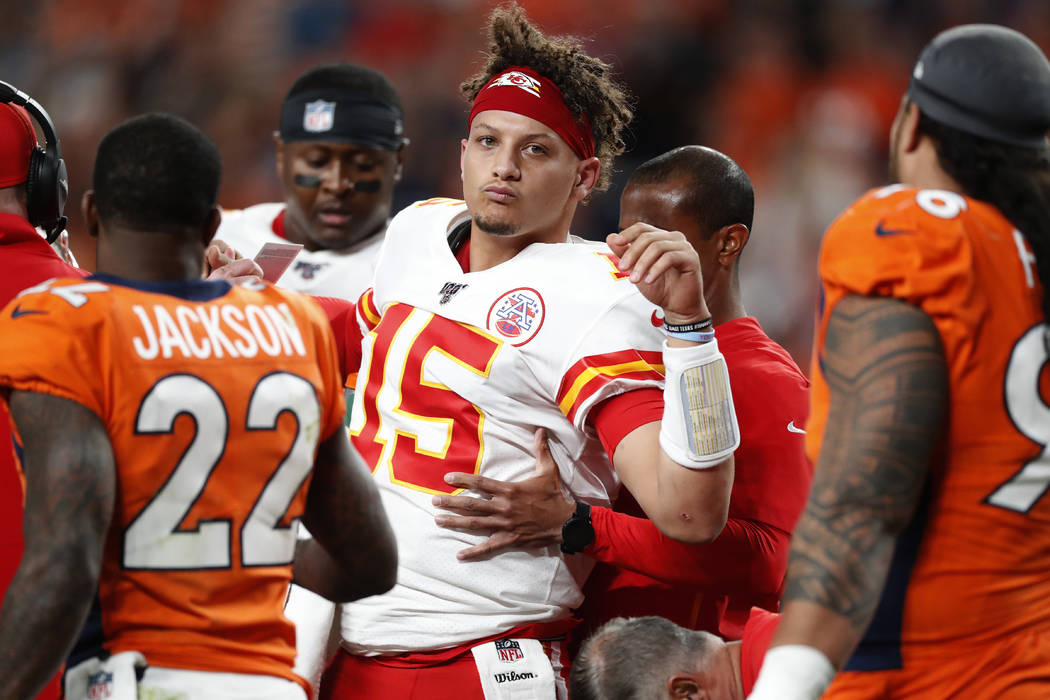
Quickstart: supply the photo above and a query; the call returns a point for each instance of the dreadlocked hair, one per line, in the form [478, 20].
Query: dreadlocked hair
[586, 83]
[1014, 179]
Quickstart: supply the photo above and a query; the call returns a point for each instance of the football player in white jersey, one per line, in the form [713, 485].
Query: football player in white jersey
[487, 319]
[339, 155]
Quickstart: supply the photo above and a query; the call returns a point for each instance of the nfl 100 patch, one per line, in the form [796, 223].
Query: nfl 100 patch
[449, 290]
[308, 270]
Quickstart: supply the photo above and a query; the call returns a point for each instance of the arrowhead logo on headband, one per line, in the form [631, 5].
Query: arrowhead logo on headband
[549, 109]
[520, 80]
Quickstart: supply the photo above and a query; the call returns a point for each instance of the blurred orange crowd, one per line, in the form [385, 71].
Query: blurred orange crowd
[800, 93]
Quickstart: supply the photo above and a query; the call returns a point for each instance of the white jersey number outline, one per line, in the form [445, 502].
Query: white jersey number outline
[1031, 416]
[153, 539]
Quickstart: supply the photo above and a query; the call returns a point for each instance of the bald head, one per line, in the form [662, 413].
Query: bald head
[636, 658]
[719, 191]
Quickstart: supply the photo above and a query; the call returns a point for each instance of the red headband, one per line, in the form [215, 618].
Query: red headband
[17, 140]
[524, 91]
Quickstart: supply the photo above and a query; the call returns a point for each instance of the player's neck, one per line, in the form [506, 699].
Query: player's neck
[926, 172]
[13, 201]
[149, 257]
[722, 295]
[733, 650]
[488, 250]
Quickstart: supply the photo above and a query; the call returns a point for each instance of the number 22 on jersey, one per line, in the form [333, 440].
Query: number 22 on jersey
[423, 429]
[154, 541]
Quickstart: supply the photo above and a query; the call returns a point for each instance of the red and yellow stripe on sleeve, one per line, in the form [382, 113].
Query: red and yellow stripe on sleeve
[368, 312]
[595, 372]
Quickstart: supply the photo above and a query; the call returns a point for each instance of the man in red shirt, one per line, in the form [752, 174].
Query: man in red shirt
[708, 197]
[650, 657]
[26, 259]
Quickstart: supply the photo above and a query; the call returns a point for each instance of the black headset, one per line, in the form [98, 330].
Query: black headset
[47, 184]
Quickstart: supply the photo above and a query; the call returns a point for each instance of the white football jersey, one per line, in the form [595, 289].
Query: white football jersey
[342, 273]
[458, 371]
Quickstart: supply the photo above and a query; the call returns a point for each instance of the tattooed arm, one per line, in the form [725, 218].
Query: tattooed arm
[353, 553]
[70, 491]
[889, 391]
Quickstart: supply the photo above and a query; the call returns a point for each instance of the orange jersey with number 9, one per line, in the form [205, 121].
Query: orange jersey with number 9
[214, 399]
[974, 564]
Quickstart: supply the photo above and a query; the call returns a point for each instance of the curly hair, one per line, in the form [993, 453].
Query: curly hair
[586, 82]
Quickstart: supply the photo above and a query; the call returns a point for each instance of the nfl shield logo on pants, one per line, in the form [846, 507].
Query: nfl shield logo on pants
[509, 650]
[319, 116]
[100, 685]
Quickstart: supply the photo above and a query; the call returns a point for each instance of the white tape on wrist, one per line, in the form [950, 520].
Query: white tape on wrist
[699, 427]
[793, 672]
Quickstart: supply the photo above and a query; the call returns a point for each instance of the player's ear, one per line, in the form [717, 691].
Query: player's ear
[909, 135]
[731, 240]
[685, 687]
[462, 156]
[211, 225]
[90, 213]
[400, 165]
[587, 172]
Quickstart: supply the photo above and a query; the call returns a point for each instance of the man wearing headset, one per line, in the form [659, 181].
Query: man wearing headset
[98, 402]
[32, 193]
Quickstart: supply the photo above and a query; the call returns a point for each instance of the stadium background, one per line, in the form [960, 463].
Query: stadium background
[801, 93]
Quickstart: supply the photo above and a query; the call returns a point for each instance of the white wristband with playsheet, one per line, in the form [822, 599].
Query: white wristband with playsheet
[699, 428]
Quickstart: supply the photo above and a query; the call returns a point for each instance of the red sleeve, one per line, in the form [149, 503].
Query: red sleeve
[11, 495]
[749, 556]
[28, 263]
[614, 418]
[758, 635]
[343, 318]
[772, 473]
[23, 266]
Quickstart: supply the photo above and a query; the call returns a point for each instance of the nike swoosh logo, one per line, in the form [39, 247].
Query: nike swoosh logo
[18, 312]
[793, 429]
[880, 231]
[657, 321]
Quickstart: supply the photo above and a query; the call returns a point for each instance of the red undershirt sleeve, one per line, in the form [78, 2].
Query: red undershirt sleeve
[748, 554]
[614, 418]
[343, 319]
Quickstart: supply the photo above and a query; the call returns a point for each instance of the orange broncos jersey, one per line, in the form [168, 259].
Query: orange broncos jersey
[214, 398]
[974, 564]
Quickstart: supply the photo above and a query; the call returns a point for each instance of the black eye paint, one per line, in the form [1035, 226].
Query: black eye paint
[313, 182]
[308, 181]
[367, 186]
